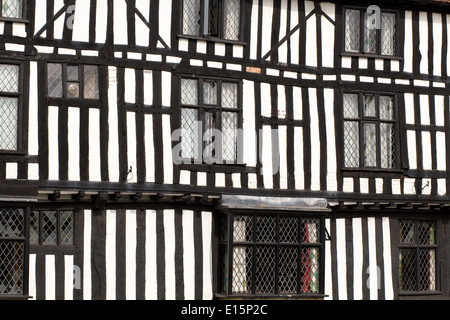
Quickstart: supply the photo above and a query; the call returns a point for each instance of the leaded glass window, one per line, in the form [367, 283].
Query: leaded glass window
[12, 251]
[271, 254]
[73, 81]
[9, 107]
[215, 18]
[210, 119]
[369, 131]
[52, 227]
[418, 249]
[12, 9]
[362, 35]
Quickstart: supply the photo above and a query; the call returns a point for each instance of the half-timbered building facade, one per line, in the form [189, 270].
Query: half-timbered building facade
[215, 149]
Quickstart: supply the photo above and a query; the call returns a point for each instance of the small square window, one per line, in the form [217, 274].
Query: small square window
[361, 37]
[369, 131]
[78, 81]
[215, 18]
[52, 227]
[12, 9]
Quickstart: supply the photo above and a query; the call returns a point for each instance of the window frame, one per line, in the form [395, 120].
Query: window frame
[20, 106]
[58, 247]
[229, 242]
[208, 37]
[64, 99]
[25, 240]
[361, 51]
[202, 109]
[362, 119]
[416, 246]
[21, 19]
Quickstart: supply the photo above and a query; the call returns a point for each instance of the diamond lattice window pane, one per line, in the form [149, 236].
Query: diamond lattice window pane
[351, 144]
[242, 269]
[210, 93]
[72, 73]
[370, 106]
[407, 269]
[388, 27]
[12, 9]
[11, 267]
[370, 37]
[12, 223]
[224, 267]
[9, 78]
[288, 270]
[243, 229]
[213, 17]
[310, 270]
[189, 92]
[34, 228]
[265, 269]
[231, 19]
[406, 232]
[351, 109]
[229, 136]
[386, 108]
[229, 95]
[427, 269]
[310, 231]
[54, 74]
[352, 30]
[387, 145]
[9, 120]
[49, 228]
[289, 229]
[189, 133]
[427, 232]
[191, 17]
[209, 125]
[66, 218]
[266, 229]
[91, 88]
[370, 145]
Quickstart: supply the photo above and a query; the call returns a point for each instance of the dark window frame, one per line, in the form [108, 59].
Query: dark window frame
[20, 95]
[23, 18]
[417, 246]
[25, 240]
[58, 247]
[361, 51]
[64, 99]
[376, 120]
[227, 243]
[202, 109]
[219, 37]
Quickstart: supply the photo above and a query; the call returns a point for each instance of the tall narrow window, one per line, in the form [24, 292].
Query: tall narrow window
[12, 8]
[363, 37]
[214, 18]
[369, 131]
[210, 106]
[417, 256]
[12, 251]
[9, 107]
